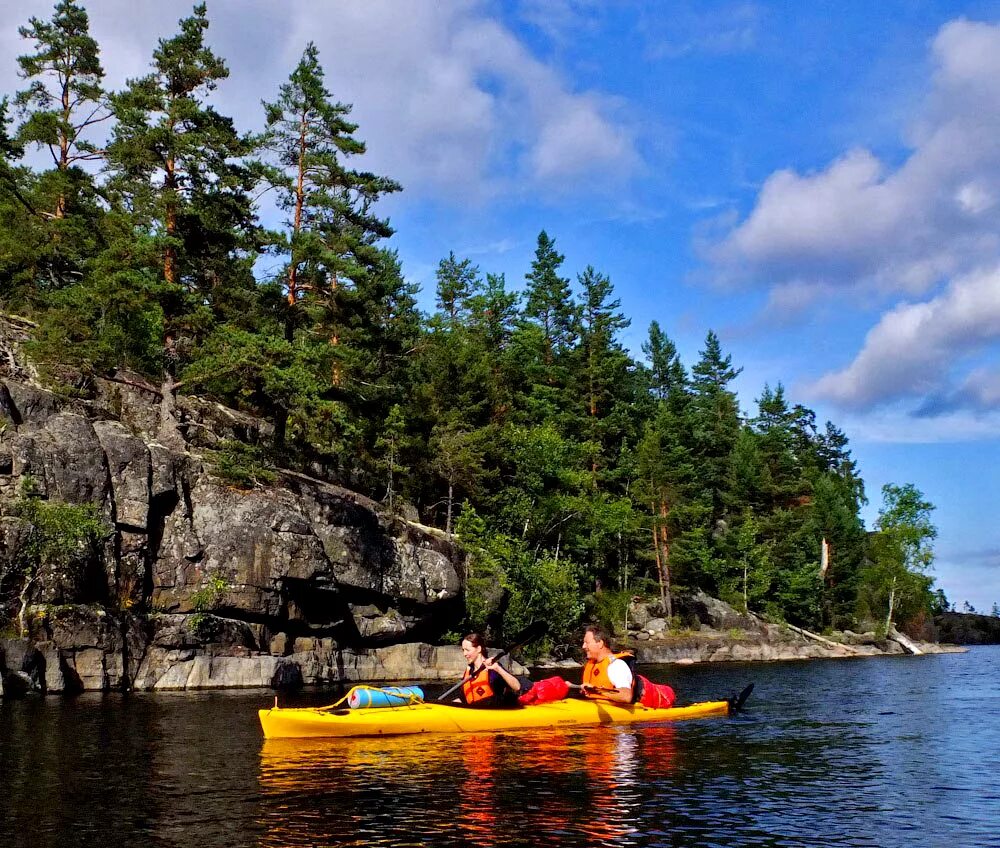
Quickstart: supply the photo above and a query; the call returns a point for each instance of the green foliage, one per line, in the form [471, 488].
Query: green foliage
[209, 595]
[894, 584]
[609, 608]
[63, 541]
[244, 466]
[532, 588]
[60, 533]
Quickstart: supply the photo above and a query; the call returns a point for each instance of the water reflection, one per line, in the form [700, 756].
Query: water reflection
[865, 753]
[476, 789]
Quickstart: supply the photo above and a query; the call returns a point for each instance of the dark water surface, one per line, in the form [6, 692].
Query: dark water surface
[867, 752]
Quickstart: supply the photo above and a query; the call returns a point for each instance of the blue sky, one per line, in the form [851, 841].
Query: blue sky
[818, 182]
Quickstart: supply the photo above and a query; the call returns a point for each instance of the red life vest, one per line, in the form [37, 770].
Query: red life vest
[476, 687]
[595, 673]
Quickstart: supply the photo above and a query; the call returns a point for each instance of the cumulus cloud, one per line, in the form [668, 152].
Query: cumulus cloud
[913, 349]
[449, 100]
[918, 235]
[903, 229]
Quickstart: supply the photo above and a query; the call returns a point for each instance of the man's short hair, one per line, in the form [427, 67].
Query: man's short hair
[599, 634]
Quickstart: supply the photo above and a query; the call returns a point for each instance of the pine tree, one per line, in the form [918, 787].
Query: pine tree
[332, 230]
[457, 281]
[60, 109]
[547, 335]
[666, 471]
[717, 420]
[65, 99]
[603, 372]
[664, 365]
[548, 297]
[178, 173]
[338, 281]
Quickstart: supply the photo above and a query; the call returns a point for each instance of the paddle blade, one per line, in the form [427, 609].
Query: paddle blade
[737, 701]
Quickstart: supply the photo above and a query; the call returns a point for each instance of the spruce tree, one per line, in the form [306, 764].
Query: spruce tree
[547, 334]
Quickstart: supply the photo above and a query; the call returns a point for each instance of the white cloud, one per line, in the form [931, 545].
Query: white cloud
[873, 232]
[911, 352]
[450, 102]
[895, 424]
[858, 221]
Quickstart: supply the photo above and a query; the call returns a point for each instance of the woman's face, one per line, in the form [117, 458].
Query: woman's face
[470, 652]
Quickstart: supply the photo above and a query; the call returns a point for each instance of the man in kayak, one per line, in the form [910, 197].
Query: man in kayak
[485, 683]
[605, 670]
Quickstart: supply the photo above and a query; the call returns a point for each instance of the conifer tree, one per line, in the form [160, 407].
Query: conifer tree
[717, 421]
[603, 371]
[332, 230]
[340, 285]
[494, 316]
[665, 367]
[547, 334]
[60, 110]
[178, 172]
[65, 98]
[666, 467]
[457, 281]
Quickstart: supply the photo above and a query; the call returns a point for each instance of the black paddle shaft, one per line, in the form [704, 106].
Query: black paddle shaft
[529, 634]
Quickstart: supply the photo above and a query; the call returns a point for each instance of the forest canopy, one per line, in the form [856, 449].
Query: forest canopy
[511, 416]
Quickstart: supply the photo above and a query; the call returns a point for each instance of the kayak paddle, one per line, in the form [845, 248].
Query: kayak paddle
[529, 634]
[737, 701]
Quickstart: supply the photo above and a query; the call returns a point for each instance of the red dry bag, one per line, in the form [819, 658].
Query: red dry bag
[544, 691]
[657, 695]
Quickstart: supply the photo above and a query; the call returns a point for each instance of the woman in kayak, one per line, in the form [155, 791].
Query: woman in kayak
[485, 683]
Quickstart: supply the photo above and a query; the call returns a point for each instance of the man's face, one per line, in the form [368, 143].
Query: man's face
[592, 647]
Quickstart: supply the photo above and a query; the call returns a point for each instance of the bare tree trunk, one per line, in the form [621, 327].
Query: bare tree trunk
[22, 613]
[665, 545]
[451, 495]
[892, 604]
[659, 566]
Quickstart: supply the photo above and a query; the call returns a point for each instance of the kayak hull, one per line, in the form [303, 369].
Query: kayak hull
[281, 722]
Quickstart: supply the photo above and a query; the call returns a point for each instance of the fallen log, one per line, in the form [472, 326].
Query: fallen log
[907, 643]
[822, 639]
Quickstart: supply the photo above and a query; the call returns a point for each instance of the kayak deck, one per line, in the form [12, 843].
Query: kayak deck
[282, 722]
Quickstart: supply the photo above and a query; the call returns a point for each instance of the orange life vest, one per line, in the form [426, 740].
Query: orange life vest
[476, 687]
[595, 673]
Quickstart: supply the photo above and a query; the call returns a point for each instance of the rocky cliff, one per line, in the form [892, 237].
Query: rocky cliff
[195, 581]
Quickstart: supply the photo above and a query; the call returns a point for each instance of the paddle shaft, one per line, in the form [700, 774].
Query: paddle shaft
[591, 688]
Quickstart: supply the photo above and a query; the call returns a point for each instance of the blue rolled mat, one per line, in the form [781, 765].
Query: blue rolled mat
[388, 696]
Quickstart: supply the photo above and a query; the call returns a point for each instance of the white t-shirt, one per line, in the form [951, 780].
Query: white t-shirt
[619, 674]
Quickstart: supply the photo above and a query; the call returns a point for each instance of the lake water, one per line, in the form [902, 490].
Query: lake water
[866, 752]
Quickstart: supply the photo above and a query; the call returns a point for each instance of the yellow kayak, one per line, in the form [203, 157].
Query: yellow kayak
[420, 717]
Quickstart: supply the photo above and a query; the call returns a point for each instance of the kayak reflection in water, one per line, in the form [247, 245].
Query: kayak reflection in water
[485, 682]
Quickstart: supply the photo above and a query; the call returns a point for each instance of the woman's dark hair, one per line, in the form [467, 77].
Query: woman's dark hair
[600, 634]
[477, 641]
